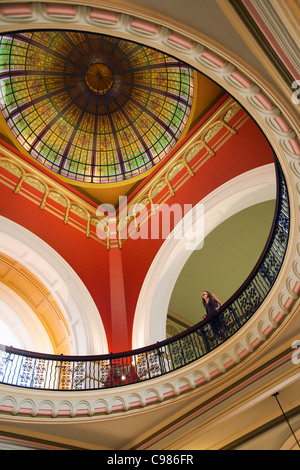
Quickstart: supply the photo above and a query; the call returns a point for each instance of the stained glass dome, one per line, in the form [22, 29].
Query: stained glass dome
[90, 107]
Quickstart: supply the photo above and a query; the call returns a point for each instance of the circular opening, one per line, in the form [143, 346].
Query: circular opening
[99, 78]
[93, 108]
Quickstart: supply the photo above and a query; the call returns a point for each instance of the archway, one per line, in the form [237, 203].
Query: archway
[265, 105]
[243, 191]
[71, 296]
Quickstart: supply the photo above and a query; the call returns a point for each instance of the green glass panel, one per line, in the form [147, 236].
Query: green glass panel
[93, 108]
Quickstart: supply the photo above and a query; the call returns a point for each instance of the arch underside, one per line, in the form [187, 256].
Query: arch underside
[268, 111]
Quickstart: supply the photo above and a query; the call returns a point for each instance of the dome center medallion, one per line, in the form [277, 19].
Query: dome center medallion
[99, 78]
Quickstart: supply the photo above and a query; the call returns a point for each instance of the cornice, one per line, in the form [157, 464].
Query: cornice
[236, 194]
[273, 369]
[257, 47]
[26, 180]
[162, 26]
[278, 120]
[224, 407]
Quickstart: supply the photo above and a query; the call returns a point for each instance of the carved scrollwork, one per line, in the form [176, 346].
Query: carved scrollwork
[59, 198]
[12, 167]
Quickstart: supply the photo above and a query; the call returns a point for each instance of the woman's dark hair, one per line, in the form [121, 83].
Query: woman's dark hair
[209, 295]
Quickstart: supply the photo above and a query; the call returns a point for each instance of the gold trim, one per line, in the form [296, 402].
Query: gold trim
[28, 287]
[74, 208]
[190, 151]
[194, 115]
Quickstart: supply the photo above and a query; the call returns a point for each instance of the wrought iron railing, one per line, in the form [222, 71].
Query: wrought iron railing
[34, 370]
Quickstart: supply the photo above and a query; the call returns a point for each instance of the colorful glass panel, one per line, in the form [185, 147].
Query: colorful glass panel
[90, 107]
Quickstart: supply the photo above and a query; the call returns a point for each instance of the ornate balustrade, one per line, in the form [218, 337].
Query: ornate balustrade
[50, 372]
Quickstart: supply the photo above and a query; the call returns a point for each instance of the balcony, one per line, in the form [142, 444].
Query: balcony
[70, 373]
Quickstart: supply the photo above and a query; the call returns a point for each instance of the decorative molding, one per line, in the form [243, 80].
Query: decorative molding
[29, 182]
[245, 190]
[255, 46]
[23, 322]
[280, 124]
[24, 404]
[109, 231]
[176, 324]
[183, 165]
[268, 17]
[33, 308]
[68, 291]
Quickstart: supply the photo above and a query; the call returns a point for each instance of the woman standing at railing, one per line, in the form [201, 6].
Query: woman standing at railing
[212, 305]
[210, 302]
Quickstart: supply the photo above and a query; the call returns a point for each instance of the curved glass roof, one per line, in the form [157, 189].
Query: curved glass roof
[92, 108]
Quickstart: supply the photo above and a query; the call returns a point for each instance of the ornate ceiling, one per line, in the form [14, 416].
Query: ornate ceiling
[226, 399]
[92, 108]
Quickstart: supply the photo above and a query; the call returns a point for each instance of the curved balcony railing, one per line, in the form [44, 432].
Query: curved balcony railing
[41, 371]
